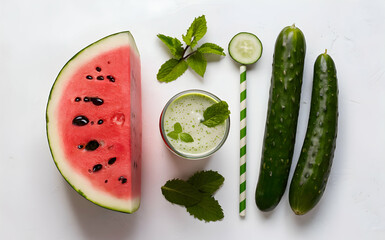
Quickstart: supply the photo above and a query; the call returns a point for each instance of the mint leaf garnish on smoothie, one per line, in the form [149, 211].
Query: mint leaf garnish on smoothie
[216, 114]
[177, 128]
[173, 135]
[185, 137]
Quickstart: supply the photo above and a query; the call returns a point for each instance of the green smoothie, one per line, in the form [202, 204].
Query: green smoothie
[187, 110]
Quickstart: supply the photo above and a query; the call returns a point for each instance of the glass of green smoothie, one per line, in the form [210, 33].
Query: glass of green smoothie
[181, 127]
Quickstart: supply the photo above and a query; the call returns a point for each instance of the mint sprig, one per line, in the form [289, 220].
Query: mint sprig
[177, 133]
[187, 56]
[196, 194]
[216, 114]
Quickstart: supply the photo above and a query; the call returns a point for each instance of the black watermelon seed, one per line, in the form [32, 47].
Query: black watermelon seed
[86, 99]
[100, 78]
[106, 181]
[100, 121]
[97, 101]
[80, 146]
[89, 77]
[111, 78]
[80, 121]
[112, 161]
[92, 145]
[78, 99]
[98, 69]
[97, 167]
[123, 179]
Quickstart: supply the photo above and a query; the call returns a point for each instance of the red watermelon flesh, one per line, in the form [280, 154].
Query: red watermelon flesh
[94, 122]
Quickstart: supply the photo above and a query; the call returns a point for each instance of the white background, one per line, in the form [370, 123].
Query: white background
[38, 37]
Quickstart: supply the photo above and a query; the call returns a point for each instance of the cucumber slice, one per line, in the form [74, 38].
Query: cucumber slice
[245, 48]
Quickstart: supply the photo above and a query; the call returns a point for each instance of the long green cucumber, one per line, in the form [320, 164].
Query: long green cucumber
[282, 115]
[315, 161]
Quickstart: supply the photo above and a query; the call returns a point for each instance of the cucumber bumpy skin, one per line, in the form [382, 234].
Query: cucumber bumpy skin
[314, 164]
[282, 115]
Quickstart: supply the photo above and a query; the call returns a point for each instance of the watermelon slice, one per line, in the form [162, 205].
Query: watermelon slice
[94, 123]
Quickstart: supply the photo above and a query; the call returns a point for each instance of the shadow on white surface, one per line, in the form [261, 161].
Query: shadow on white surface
[267, 215]
[309, 218]
[96, 222]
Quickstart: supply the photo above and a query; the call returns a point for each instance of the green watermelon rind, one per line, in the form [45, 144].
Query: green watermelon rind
[79, 191]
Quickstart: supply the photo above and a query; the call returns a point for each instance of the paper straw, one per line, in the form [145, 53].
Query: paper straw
[242, 162]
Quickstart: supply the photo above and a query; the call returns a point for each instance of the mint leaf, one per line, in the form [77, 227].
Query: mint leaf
[195, 194]
[198, 63]
[208, 209]
[171, 70]
[206, 181]
[196, 31]
[211, 48]
[173, 44]
[180, 192]
[195, 58]
[174, 135]
[185, 137]
[216, 114]
[177, 127]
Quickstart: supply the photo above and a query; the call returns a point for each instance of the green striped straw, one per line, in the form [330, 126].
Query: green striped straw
[242, 160]
[244, 48]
